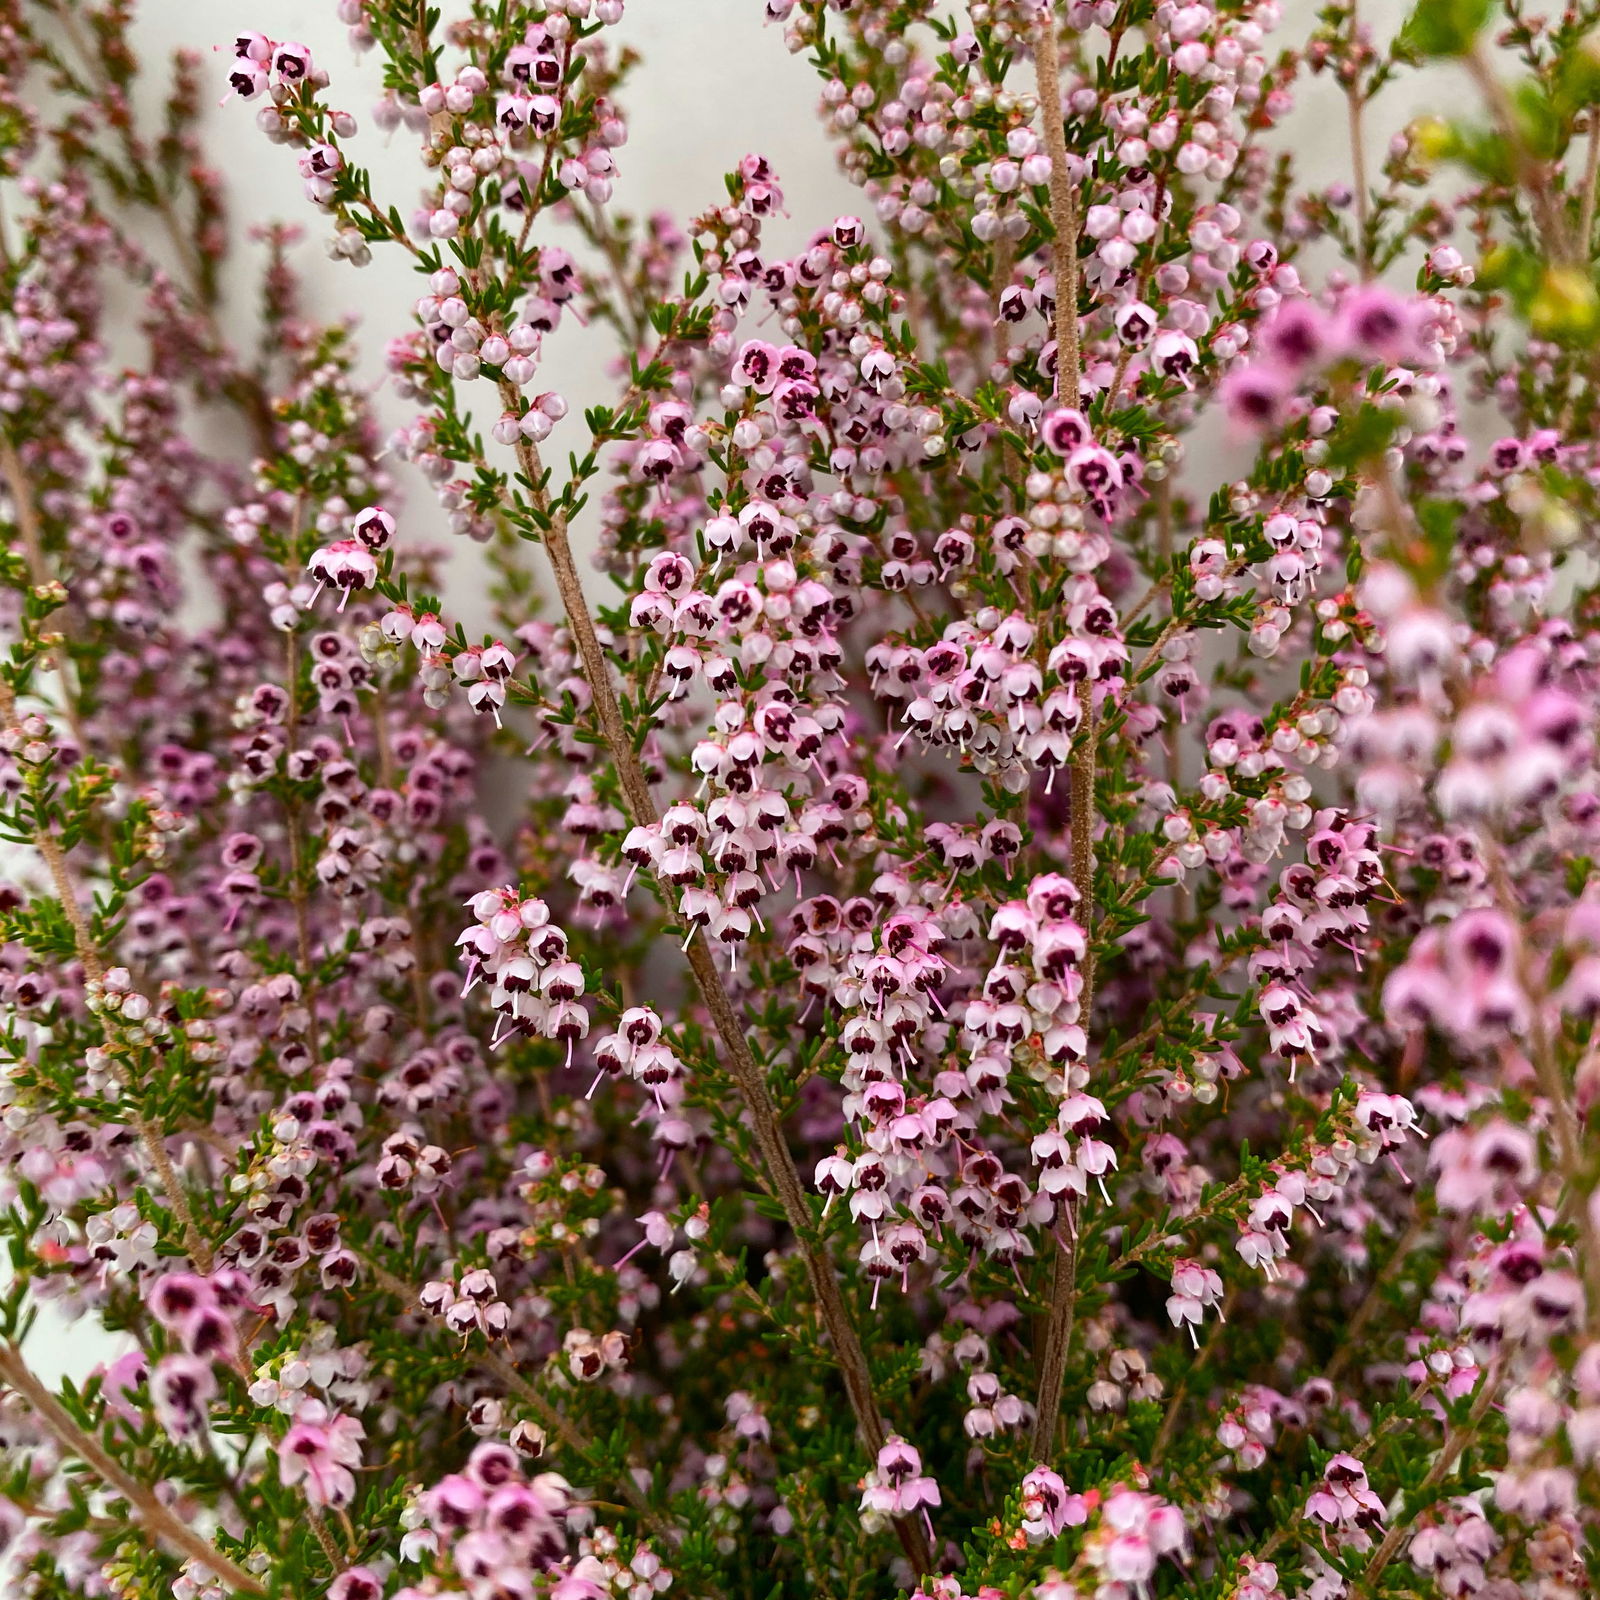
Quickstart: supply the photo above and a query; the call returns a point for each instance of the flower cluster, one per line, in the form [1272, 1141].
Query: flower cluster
[1026, 1019]
[515, 947]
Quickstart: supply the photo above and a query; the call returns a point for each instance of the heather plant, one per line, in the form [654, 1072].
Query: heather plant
[985, 983]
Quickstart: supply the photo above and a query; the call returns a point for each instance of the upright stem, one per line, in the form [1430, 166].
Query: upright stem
[1081, 772]
[1005, 263]
[1591, 173]
[1356, 102]
[319, 1529]
[27, 514]
[294, 833]
[558, 546]
[1358, 161]
[1532, 174]
[1173, 742]
[1570, 1155]
[1063, 209]
[31, 532]
[1571, 1158]
[150, 1137]
[549, 1417]
[1350, 1345]
[1455, 1441]
[1175, 1403]
[1064, 1280]
[15, 1372]
[1057, 1339]
[1069, 364]
[747, 1073]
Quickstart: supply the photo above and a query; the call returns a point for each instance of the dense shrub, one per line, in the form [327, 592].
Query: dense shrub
[983, 1008]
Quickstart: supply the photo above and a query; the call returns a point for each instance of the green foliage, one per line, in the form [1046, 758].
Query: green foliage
[1445, 27]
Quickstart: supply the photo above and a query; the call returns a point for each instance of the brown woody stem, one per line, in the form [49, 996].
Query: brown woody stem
[1064, 1281]
[747, 1074]
[1063, 208]
[1064, 254]
[16, 1373]
[150, 1138]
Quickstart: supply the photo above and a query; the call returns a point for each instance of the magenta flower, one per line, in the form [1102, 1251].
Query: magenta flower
[893, 813]
[1377, 324]
[898, 1487]
[1256, 396]
[1299, 336]
[319, 1451]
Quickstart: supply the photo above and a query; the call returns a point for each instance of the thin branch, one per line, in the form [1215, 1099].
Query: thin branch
[1532, 174]
[746, 1072]
[15, 1372]
[1569, 1134]
[27, 514]
[1169, 1238]
[549, 1417]
[1356, 103]
[1063, 209]
[1064, 1280]
[1591, 176]
[1057, 1339]
[1360, 1450]
[1350, 1334]
[319, 1527]
[1455, 1441]
[94, 968]
[294, 833]
[1005, 263]
[1064, 255]
[31, 531]
[1175, 1403]
[246, 389]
